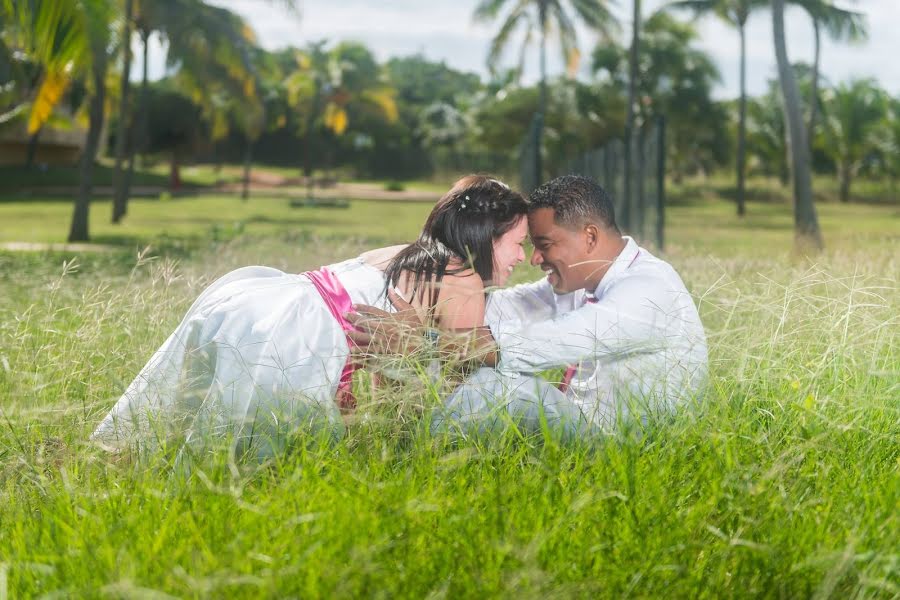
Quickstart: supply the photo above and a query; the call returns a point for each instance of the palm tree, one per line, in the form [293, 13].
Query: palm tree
[889, 143]
[542, 16]
[211, 47]
[331, 87]
[735, 13]
[853, 114]
[52, 35]
[630, 112]
[207, 40]
[766, 136]
[840, 25]
[120, 203]
[98, 16]
[150, 16]
[806, 223]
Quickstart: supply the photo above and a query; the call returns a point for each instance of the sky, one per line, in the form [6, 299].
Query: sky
[443, 30]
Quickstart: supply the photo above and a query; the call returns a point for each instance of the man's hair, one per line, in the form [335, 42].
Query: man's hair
[575, 200]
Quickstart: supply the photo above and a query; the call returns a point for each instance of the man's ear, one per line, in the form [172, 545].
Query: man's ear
[591, 236]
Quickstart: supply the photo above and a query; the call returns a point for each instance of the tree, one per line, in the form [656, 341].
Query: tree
[331, 89]
[214, 51]
[539, 16]
[175, 125]
[853, 113]
[631, 113]
[150, 16]
[53, 38]
[98, 16]
[888, 141]
[674, 80]
[207, 41]
[120, 202]
[806, 223]
[735, 13]
[766, 135]
[840, 25]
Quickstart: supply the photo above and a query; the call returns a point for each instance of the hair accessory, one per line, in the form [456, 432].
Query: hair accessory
[463, 204]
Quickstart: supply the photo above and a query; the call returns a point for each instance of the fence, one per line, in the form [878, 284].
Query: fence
[637, 185]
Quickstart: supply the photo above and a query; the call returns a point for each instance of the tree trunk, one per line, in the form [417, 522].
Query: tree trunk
[310, 139]
[806, 223]
[174, 173]
[542, 98]
[119, 197]
[630, 113]
[784, 173]
[846, 177]
[138, 128]
[814, 92]
[248, 157]
[32, 148]
[78, 232]
[741, 165]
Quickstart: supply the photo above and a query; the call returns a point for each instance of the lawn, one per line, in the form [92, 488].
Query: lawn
[784, 482]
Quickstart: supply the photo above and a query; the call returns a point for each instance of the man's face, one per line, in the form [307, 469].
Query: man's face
[559, 252]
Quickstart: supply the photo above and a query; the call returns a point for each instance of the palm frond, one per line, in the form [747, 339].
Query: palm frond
[498, 44]
[48, 96]
[568, 38]
[487, 10]
[597, 16]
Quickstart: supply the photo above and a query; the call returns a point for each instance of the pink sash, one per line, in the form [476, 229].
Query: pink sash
[338, 302]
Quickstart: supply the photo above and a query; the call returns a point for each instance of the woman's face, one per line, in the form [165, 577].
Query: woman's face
[509, 251]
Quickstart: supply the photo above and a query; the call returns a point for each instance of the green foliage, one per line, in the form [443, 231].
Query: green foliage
[852, 114]
[174, 123]
[420, 82]
[675, 80]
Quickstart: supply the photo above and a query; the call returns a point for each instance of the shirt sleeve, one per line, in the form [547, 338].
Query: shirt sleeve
[630, 318]
[534, 300]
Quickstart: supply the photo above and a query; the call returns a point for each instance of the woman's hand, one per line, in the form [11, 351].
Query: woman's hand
[382, 333]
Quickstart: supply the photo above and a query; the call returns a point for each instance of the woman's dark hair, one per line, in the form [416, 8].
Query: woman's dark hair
[463, 226]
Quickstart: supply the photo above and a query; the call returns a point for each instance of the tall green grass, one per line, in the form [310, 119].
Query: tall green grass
[782, 483]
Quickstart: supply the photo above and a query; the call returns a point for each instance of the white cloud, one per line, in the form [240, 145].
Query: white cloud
[443, 30]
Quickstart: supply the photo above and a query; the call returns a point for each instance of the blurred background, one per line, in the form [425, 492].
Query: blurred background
[321, 103]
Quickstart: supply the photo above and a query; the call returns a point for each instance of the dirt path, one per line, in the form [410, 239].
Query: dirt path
[56, 247]
[270, 186]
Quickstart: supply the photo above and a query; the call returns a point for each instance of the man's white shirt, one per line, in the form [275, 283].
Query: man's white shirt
[640, 342]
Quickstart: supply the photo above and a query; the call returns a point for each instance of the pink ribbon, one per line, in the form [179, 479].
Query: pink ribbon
[339, 303]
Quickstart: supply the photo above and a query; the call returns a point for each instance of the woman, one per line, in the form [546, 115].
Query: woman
[262, 352]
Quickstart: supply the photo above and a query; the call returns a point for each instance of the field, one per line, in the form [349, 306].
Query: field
[784, 482]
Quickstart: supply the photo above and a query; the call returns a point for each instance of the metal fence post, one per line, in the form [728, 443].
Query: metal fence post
[660, 181]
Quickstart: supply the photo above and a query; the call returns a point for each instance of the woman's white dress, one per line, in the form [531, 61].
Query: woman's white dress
[257, 356]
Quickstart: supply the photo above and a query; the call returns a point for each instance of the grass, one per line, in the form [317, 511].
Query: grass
[783, 483]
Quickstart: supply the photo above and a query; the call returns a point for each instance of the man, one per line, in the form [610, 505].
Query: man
[617, 319]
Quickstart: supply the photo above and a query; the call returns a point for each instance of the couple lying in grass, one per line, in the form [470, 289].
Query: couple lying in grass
[263, 356]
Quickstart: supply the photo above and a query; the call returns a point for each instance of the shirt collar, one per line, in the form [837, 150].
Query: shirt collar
[625, 259]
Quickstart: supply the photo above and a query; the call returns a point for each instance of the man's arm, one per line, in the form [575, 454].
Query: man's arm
[534, 300]
[630, 318]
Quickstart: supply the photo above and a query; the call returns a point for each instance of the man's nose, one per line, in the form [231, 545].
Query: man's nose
[536, 258]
